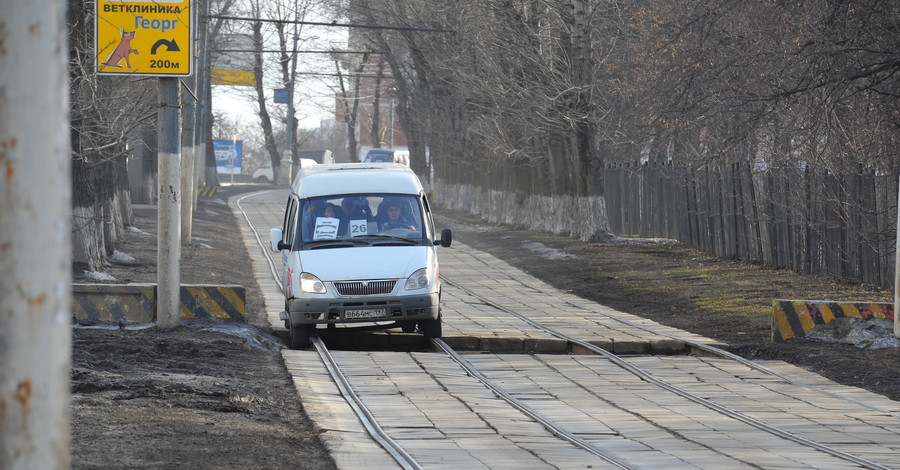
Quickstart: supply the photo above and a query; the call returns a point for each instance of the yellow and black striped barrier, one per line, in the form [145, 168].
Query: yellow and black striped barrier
[207, 191]
[796, 318]
[201, 301]
[137, 303]
[114, 303]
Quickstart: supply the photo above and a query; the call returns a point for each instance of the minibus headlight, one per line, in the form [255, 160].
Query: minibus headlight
[419, 279]
[310, 284]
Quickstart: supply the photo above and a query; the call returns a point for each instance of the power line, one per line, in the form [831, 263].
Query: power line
[303, 52]
[332, 24]
[348, 75]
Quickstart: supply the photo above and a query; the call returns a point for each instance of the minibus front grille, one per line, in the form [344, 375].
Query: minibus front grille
[365, 287]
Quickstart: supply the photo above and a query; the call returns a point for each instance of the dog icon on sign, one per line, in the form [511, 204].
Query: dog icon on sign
[122, 51]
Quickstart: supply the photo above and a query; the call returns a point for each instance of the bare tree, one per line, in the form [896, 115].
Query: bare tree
[509, 100]
[258, 72]
[523, 104]
[348, 103]
[106, 114]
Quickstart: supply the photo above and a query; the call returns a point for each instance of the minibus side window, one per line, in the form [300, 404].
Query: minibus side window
[429, 224]
[289, 225]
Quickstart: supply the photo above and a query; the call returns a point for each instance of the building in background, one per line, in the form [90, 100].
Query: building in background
[377, 121]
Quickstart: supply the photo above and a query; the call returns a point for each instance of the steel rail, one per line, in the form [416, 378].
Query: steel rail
[406, 461]
[362, 412]
[714, 351]
[648, 377]
[265, 249]
[365, 416]
[525, 409]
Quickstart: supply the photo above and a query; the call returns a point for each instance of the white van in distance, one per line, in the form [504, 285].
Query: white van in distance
[358, 245]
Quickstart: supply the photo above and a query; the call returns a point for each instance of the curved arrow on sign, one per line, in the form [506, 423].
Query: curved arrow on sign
[171, 46]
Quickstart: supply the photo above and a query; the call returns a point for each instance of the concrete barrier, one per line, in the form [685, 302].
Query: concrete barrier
[796, 318]
[137, 303]
[114, 303]
[207, 192]
[200, 301]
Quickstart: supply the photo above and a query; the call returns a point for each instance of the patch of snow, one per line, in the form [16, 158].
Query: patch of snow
[642, 240]
[120, 257]
[546, 252]
[874, 333]
[91, 325]
[135, 231]
[98, 276]
[204, 245]
[251, 335]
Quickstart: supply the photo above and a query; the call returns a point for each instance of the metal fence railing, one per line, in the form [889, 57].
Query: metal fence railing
[800, 218]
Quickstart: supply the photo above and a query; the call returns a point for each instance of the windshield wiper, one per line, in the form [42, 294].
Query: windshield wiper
[393, 240]
[318, 244]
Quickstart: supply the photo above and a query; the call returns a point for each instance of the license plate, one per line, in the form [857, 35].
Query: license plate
[365, 313]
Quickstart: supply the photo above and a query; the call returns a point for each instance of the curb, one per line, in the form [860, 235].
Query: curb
[796, 318]
[137, 303]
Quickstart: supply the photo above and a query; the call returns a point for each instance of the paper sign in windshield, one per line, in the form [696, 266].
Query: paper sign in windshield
[359, 227]
[326, 228]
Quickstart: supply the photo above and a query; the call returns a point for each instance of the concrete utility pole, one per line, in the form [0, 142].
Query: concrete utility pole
[897, 270]
[202, 90]
[187, 160]
[35, 236]
[286, 179]
[168, 269]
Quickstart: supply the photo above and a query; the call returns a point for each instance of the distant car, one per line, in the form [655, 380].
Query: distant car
[265, 175]
[318, 156]
[387, 156]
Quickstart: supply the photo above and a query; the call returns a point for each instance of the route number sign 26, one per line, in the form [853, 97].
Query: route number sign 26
[144, 37]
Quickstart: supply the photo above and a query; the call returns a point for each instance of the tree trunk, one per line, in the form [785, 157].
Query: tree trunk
[376, 107]
[264, 119]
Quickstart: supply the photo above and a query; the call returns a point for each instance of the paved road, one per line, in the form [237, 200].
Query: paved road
[445, 418]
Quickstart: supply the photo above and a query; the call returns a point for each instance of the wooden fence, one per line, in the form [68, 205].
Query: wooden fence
[804, 219]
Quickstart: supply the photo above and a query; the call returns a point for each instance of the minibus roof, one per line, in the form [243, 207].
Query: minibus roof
[354, 178]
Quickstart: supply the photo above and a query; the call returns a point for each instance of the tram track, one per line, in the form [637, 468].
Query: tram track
[397, 452]
[706, 348]
[710, 350]
[649, 377]
[405, 460]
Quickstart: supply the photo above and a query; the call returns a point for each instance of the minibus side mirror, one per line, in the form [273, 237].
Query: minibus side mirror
[446, 238]
[275, 243]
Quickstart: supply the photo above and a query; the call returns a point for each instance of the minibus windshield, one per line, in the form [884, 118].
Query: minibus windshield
[355, 216]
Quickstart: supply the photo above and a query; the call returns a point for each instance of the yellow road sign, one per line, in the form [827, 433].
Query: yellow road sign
[232, 77]
[144, 37]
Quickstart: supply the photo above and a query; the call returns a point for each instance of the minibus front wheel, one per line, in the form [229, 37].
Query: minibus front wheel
[300, 336]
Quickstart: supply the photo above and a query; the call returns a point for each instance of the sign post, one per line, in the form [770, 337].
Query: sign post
[154, 38]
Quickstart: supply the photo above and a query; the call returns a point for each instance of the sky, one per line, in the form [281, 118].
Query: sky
[314, 95]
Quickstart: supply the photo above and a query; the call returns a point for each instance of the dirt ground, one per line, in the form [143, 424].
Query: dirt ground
[202, 398]
[193, 397]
